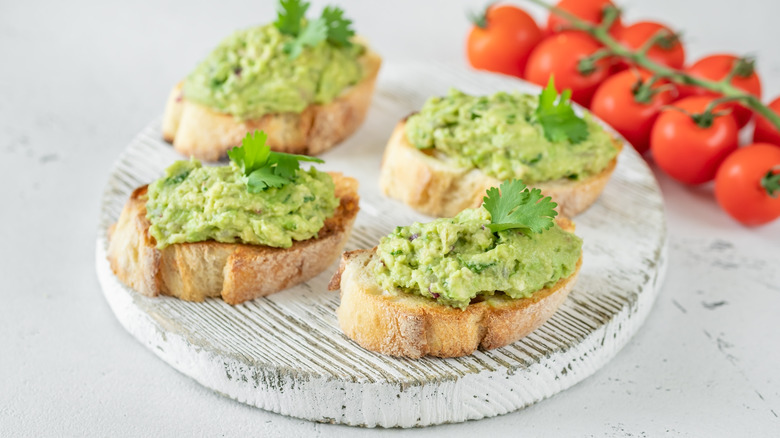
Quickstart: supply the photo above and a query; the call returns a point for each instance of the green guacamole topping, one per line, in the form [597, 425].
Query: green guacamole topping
[497, 134]
[249, 74]
[455, 260]
[192, 203]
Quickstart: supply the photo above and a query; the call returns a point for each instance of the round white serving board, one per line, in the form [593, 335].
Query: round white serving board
[285, 353]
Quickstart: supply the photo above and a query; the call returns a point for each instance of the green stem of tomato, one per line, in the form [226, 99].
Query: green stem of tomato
[643, 91]
[601, 34]
[742, 67]
[610, 14]
[659, 36]
[587, 66]
[479, 19]
[771, 182]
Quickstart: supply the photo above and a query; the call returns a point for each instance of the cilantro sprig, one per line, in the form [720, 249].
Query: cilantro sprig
[339, 28]
[312, 34]
[514, 206]
[331, 26]
[264, 168]
[558, 120]
[289, 16]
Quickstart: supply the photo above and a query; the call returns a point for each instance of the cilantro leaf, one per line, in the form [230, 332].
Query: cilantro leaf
[314, 33]
[252, 154]
[264, 168]
[515, 206]
[299, 157]
[339, 30]
[264, 178]
[331, 26]
[290, 15]
[559, 120]
[286, 165]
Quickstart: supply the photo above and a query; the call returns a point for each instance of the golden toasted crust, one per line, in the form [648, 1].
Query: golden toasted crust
[436, 188]
[413, 326]
[131, 249]
[235, 272]
[198, 131]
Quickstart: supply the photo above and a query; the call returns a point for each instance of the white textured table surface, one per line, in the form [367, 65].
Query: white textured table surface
[79, 79]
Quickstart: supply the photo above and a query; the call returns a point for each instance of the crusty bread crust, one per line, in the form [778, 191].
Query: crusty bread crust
[198, 131]
[235, 272]
[413, 326]
[436, 188]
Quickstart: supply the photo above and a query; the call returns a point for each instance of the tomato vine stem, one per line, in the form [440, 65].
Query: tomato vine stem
[657, 38]
[645, 90]
[479, 19]
[637, 57]
[771, 182]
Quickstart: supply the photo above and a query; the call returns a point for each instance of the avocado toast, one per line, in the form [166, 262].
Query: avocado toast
[483, 279]
[442, 159]
[254, 227]
[307, 83]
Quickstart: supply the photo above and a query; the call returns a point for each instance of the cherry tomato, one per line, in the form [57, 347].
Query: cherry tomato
[630, 104]
[668, 51]
[689, 150]
[589, 10]
[560, 55]
[504, 42]
[765, 131]
[717, 67]
[742, 185]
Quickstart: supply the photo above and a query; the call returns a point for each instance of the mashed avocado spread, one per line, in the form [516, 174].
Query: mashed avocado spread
[497, 134]
[192, 203]
[455, 260]
[249, 74]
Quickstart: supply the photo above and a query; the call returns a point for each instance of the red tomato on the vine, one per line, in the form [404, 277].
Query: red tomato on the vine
[559, 55]
[747, 185]
[630, 104]
[717, 67]
[690, 149]
[502, 39]
[668, 51]
[591, 11]
[765, 131]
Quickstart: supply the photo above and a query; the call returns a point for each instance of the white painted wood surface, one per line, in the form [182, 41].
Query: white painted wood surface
[285, 353]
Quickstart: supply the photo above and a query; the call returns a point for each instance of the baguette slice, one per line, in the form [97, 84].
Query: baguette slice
[198, 131]
[401, 324]
[233, 271]
[437, 188]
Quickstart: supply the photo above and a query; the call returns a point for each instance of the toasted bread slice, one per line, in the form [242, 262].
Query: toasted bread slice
[436, 188]
[233, 271]
[198, 131]
[401, 324]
